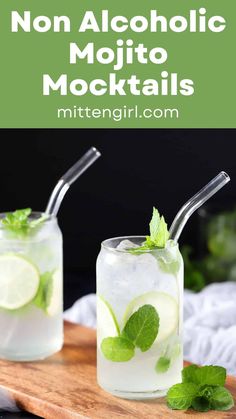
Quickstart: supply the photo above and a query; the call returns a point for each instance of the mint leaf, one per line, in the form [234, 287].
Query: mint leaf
[221, 399]
[188, 374]
[18, 221]
[117, 349]
[162, 364]
[201, 404]
[168, 357]
[158, 231]
[43, 296]
[142, 327]
[163, 234]
[210, 375]
[181, 396]
[154, 226]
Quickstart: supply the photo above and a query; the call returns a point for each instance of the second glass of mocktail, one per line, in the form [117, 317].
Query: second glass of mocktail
[31, 286]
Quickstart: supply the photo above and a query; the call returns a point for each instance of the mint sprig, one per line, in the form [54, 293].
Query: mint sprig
[202, 389]
[18, 222]
[140, 331]
[158, 234]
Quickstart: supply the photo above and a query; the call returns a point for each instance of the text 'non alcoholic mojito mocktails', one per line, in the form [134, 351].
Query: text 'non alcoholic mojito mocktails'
[31, 298]
[139, 314]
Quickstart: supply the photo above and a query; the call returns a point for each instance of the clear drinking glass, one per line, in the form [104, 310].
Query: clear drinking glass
[126, 282]
[33, 329]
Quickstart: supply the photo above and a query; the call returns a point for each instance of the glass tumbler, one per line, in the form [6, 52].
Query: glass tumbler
[139, 318]
[31, 291]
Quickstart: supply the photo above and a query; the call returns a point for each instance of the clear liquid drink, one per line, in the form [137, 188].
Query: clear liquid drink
[31, 297]
[139, 318]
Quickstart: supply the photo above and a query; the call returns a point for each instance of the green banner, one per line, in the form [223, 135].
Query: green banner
[118, 64]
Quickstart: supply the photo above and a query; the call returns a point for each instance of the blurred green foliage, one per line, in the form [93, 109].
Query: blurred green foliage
[193, 277]
[219, 262]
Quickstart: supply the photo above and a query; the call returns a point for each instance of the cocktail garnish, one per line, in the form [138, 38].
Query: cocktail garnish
[202, 389]
[158, 234]
[19, 222]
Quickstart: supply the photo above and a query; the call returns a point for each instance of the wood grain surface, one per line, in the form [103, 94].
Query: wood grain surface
[64, 386]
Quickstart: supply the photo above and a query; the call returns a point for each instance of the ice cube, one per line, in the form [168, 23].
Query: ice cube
[126, 244]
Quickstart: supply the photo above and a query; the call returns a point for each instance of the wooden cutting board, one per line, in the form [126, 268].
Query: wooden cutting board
[64, 386]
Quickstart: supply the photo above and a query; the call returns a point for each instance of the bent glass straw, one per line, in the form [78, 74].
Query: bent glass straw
[70, 177]
[195, 202]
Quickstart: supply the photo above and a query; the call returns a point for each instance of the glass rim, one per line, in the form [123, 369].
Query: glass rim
[106, 246]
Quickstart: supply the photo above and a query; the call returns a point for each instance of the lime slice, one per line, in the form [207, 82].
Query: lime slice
[107, 325]
[166, 307]
[54, 294]
[19, 281]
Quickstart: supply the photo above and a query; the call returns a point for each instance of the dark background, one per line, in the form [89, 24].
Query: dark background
[138, 169]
